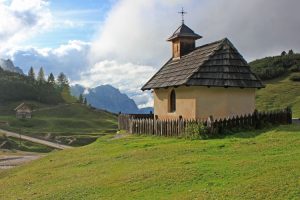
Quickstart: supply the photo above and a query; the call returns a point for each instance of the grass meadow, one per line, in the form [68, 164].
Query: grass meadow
[261, 164]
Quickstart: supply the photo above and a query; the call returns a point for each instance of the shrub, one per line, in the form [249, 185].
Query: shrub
[195, 131]
[270, 72]
[295, 77]
[295, 68]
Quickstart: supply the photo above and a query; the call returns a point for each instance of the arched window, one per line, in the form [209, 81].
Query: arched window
[172, 101]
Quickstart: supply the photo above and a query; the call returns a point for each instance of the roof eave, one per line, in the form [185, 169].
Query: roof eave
[190, 85]
[174, 37]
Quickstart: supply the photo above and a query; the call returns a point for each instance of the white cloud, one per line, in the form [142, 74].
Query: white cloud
[144, 99]
[136, 31]
[21, 19]
[69, 58]
[128, 77]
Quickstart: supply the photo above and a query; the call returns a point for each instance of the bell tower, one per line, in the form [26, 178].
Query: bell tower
[183, 39]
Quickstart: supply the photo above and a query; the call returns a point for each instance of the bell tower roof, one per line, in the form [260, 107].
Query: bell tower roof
[184, 32]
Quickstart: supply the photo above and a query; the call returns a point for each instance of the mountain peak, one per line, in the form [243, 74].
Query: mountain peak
[108, 98]
[8, 65]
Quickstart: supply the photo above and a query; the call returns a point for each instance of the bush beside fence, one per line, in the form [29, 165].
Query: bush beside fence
[147, 125]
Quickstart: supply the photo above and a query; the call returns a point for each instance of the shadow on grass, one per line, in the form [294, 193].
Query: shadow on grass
[254, 133]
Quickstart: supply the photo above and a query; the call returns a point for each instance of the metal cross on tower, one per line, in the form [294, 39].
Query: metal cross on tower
[182, 12]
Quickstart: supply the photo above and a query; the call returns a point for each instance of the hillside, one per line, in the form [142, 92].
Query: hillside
[56, 116]
[71, 124]
[251, 165]
[280, 93]
[276, 66]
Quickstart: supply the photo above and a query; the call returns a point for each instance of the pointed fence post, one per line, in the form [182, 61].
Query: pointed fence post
[210, 124]
[289, 115]
[256, 119]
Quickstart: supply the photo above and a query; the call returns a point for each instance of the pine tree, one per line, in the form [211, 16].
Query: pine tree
[41, 75]
[62, 80]
[64, 87]
[283, 53]
[31, 73]
[81, 99]
[51, 79]
[291, 52]
[85, 101]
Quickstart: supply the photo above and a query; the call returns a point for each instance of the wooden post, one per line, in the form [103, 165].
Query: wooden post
[289, 115]
[256, 119]
[210, 124]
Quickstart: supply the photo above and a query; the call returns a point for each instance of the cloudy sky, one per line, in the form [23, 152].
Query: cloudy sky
[123, 42]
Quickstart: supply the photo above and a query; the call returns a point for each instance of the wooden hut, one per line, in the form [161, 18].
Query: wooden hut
[197, 82]
[23, 111]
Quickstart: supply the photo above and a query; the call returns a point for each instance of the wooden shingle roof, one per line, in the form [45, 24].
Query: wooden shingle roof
[217, 64]
[184, 32]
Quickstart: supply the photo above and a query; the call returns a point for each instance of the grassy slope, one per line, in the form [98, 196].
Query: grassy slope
[253, 165]
[280, 93]
[71, 120]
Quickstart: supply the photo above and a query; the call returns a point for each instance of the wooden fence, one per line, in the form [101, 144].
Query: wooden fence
[147, 125]
[124, 120]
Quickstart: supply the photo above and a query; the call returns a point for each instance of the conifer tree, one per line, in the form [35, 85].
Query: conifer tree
[85, 101]
[51, 79]
[62, 80]
[31, 73]
[81, 99]
[41, 75]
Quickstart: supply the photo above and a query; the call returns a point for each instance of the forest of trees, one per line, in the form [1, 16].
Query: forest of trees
[273, 67]
[17, 87]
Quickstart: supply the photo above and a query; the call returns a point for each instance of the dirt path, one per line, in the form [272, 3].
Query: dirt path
[119, 136]
[10, 161]
[35, 140]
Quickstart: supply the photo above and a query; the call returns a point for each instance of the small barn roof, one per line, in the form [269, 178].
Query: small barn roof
[217, 64]
[184, 31]
[21, 106]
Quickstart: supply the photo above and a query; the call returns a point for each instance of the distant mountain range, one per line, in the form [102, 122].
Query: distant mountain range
[108, 98]
[8, 65]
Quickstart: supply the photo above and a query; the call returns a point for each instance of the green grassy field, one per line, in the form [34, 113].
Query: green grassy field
[65, 123]
[250, 165]
[280, 93]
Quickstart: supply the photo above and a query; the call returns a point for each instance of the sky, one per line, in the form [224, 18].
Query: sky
[123, 42]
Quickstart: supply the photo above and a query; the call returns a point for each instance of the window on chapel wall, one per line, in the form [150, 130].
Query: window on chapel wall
[172, 101]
